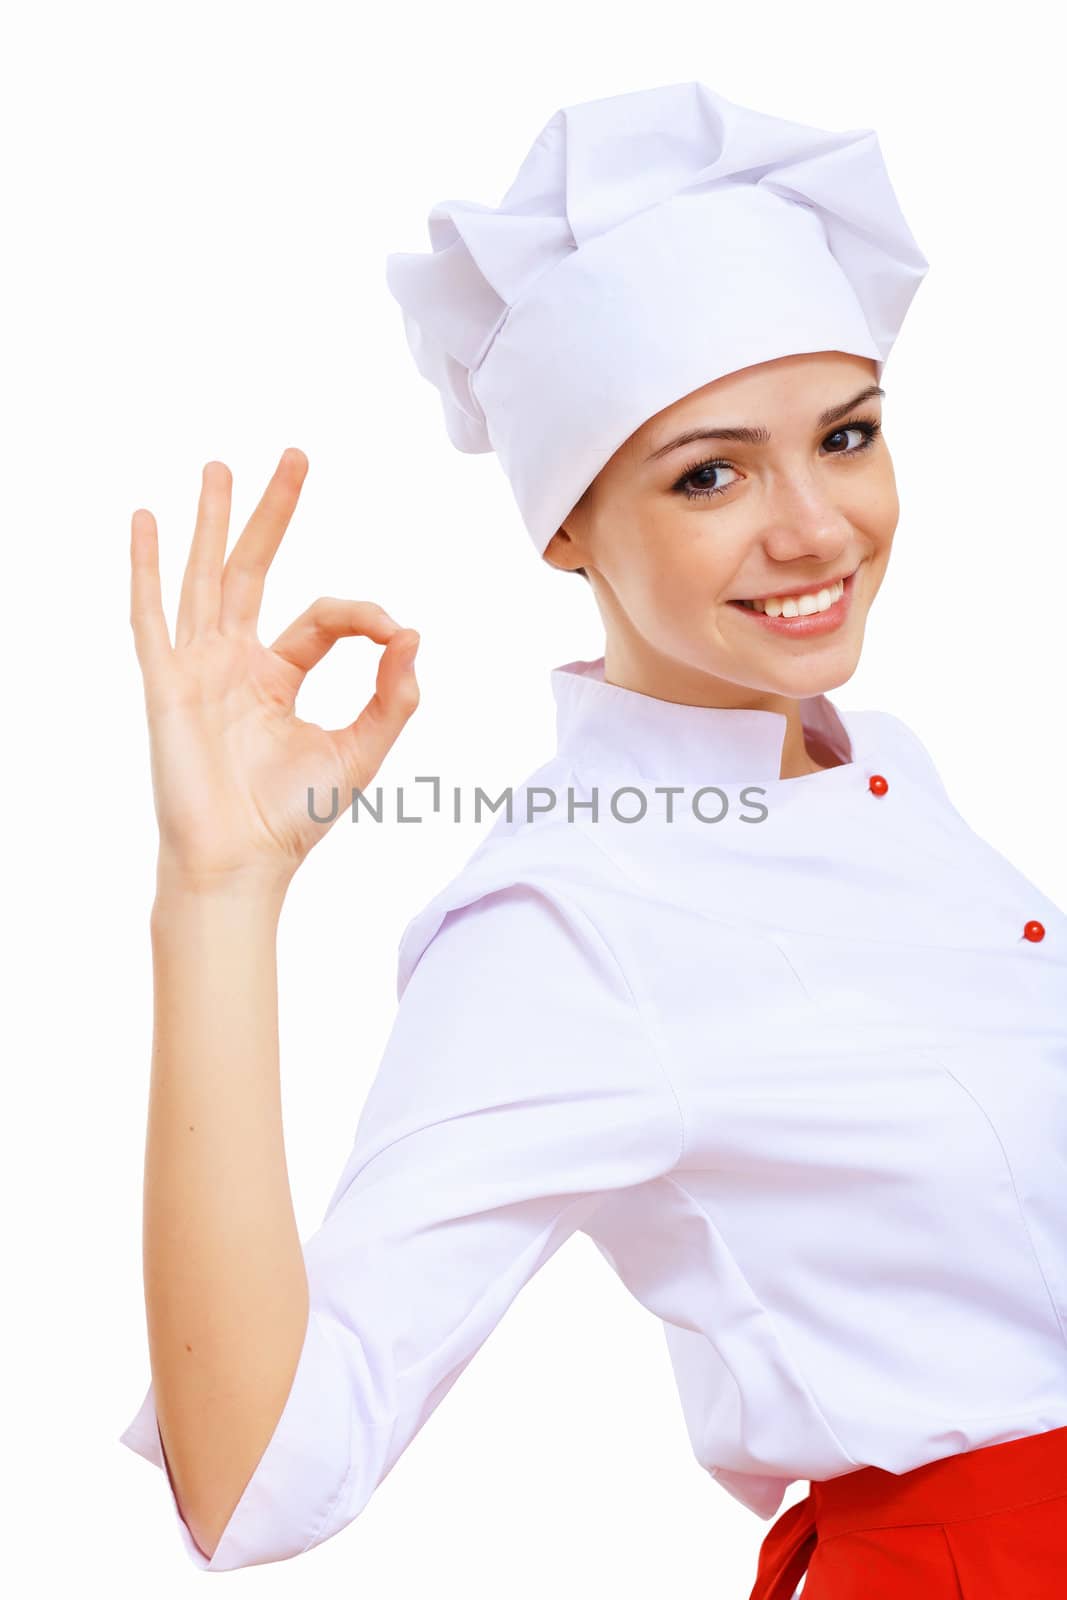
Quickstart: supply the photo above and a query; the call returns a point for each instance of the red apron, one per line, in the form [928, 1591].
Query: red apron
[987, 1524]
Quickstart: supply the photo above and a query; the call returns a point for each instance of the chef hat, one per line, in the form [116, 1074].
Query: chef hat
[649, 244]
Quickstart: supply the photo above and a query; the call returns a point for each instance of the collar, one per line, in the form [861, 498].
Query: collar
[602, 725]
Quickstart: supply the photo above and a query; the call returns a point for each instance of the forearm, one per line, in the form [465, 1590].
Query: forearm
[225, 1285]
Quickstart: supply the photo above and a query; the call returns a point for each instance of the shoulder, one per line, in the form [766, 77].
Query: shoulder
[525, 888]
[883, 737]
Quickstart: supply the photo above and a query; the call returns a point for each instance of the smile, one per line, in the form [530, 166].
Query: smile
[802, 615]
[804, 605]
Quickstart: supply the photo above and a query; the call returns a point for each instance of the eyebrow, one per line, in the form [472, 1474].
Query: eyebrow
[743, 435]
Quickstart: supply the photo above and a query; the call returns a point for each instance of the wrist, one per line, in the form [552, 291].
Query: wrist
[262, 885]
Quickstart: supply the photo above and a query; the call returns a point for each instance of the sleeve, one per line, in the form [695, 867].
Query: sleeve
[517, 1088]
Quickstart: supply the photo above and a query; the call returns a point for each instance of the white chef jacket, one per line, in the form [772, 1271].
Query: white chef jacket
[797, 1072]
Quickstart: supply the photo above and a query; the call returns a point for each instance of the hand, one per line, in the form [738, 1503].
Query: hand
[231, 761]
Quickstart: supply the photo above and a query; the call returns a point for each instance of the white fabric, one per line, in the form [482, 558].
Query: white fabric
[650, 243]
[800, 1079]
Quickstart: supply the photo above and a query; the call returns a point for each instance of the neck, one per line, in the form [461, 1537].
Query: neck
[667, 679]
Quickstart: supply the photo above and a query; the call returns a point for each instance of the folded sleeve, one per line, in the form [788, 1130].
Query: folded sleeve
[517, 1088]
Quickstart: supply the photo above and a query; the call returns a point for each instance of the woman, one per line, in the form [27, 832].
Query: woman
[731, 986]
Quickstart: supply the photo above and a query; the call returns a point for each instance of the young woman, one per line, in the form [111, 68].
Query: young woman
[733, 988]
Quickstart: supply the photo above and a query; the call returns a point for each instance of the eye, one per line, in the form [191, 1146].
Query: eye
[866, 432]
[695, 484]
[703, 488]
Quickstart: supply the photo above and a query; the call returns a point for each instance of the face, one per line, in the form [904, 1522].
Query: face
[675, 536]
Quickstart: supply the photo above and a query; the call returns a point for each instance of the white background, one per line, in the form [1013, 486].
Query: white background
[198, 201]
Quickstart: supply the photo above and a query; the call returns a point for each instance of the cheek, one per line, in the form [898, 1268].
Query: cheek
[676, 567]
[694, 542]
[673, 550]
[879, 507]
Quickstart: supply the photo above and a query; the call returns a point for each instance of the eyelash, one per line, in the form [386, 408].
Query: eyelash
[868, 426]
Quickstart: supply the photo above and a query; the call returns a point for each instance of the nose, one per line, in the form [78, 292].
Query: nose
[803, 519]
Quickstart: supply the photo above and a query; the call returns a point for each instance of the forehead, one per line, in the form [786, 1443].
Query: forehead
[788, 390]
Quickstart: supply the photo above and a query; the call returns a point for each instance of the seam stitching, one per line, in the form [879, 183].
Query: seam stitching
[638, 1005]
[804, 988]
[793, 1366]
[944, 1522]
[645, 1024]
[1014, 1187]
[952, 1562]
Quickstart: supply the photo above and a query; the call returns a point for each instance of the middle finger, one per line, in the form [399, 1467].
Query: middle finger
[198, 604]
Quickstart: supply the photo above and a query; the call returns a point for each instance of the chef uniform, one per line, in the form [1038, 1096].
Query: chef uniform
[794, 1059]
[791, 1052]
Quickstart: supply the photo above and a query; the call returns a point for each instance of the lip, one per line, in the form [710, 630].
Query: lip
[805, 627]
[795, 594]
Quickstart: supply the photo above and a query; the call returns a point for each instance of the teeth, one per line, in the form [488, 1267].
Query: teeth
[799, 606]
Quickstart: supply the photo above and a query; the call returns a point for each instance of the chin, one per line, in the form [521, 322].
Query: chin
[820, 673]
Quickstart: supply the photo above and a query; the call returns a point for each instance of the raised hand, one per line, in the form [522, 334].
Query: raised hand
[231, 761]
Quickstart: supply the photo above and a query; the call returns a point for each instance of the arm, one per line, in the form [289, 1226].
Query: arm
[225, 1286]
[518, 1087]
[226, 1293]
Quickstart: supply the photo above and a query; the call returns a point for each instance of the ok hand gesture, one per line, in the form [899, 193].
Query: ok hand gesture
[231, 761]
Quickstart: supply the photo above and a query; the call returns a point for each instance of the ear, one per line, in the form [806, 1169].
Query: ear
[561, 551]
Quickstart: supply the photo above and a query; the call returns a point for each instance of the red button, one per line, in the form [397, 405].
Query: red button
[1033, 931]
[878, 784]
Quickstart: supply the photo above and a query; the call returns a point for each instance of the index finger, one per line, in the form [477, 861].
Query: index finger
[249, 561]
[318, 629]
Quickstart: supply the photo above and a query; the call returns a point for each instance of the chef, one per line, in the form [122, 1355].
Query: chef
[739, 994]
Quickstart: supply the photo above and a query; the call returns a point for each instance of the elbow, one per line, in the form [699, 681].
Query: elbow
[276, 1485]
[205, 1514]
[207, 1527]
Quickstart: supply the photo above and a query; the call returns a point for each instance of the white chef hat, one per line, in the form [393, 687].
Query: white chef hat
[649, 244]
